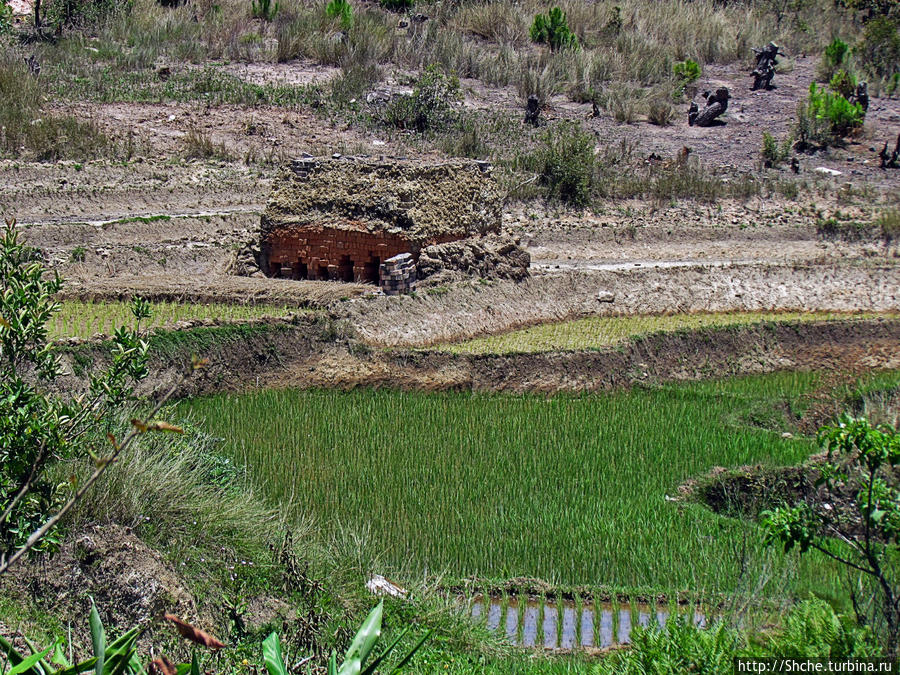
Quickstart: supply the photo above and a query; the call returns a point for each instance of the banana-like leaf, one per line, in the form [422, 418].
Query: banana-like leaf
[14, 656]
[122, 639]
[78, 668]
[363, 643]
[121, 659]
[381, 657]
[29, 664]
[98, 638]
[42, 666]
[332, 664]
[272, 656]
[195, 664]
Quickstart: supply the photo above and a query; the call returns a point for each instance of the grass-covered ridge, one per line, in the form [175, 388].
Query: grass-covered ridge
[77, 318]
[603, 331]
[569, 489]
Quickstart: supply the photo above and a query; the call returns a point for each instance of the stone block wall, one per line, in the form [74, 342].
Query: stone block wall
[398, 274]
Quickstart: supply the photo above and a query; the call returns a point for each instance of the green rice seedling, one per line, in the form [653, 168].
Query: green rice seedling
[77, 318]
[579, 607]
[560, 615]
[614, 604]
[570, 489]
[600, 332]
[541, 636]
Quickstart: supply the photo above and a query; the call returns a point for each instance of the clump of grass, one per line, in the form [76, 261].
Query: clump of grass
[660, 111]
[199, 145]
[889, 223]
[26, 130]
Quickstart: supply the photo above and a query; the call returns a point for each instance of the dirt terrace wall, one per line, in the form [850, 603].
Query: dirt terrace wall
[339, 218]
[320, 352]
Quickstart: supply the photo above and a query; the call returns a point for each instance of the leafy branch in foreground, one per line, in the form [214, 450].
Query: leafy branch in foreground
[39, 429]
[858, 523]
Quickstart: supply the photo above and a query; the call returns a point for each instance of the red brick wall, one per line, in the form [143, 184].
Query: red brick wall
[328, 253]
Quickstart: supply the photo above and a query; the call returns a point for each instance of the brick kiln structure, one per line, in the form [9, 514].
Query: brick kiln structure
[342, 218]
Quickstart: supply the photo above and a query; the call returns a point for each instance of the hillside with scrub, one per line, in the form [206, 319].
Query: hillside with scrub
[454, 336]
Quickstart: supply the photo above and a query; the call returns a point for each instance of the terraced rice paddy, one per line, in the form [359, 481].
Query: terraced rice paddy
[570, 489]
[603, 331]
[84, 319]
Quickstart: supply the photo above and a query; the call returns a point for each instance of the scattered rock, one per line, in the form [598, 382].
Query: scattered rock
[379, 585]
[606, 296]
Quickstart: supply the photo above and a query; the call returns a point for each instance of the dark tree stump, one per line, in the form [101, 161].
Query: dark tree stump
[766, 60]
[716, 104]
[533, 110]
[890, 160]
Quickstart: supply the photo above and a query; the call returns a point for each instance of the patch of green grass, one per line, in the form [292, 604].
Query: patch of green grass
[604, 331]
[208, 84]
[570, 489]
[84, 319]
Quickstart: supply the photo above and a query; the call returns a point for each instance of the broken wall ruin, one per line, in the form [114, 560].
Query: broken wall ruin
[340, 218]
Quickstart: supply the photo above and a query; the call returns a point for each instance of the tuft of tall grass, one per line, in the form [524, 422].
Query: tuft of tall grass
[27, 130]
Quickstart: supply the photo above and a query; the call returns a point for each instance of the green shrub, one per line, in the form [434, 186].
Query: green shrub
[879, 50]
[5, 17]
[340, 9]
[264, 9]
[813, 630]
[687, 71]
[773, 152]
[889, 222]
[552, 29]
[566, 163]
[836, 54]
[826, 117]
[680, 647]
[431, 104]
[843, 83]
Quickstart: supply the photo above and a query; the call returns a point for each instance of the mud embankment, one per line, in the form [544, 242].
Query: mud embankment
[317, 351]
[479, 309]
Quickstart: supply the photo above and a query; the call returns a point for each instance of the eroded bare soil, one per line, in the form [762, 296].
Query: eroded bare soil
[169, 227]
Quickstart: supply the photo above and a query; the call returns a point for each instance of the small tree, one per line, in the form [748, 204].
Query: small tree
[857, 522]
[39, 429]
[552, 29]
